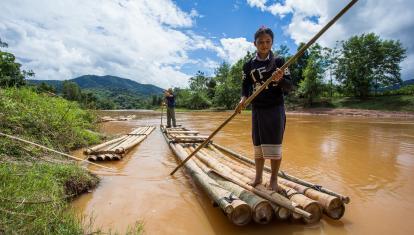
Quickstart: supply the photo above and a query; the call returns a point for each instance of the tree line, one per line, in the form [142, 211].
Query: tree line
[358, 67]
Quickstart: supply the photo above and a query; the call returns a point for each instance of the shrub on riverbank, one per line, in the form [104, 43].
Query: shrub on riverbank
[51, 121]
[35, 185]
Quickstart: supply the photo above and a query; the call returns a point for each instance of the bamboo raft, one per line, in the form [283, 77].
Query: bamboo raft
[117, 148]
[223, 174]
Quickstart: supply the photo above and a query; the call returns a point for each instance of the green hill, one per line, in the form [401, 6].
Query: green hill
[107, 82]
[123, 93]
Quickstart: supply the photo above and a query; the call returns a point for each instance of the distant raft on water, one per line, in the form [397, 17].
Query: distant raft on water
[116, 149]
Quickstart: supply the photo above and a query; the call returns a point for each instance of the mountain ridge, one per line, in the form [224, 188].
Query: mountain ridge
[107, 82]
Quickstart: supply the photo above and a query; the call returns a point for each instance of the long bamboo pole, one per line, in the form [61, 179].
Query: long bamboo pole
[162, 113]
[257, 92]
[52, 150]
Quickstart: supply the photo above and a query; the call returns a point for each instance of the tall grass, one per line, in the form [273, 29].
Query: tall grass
[35, 186]
[54, 122]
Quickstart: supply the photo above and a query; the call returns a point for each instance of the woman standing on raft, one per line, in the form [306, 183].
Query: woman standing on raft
[268, 110]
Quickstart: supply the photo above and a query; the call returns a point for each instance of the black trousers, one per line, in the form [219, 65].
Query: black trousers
[268, 127]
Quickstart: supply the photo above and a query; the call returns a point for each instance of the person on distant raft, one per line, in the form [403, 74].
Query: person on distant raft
[268, 110]
[170, 101]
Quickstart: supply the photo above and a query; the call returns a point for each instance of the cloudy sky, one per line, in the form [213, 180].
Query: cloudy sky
[165, 42]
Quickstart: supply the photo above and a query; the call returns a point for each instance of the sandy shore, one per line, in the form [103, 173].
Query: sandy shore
[353, 112]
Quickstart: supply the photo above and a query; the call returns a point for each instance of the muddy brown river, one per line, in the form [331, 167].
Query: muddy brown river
[369, 159]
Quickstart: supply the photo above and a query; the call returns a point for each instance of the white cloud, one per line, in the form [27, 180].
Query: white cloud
[257, 3]
[391, 20]
[233, 49]
[142, 40]
[209, 63]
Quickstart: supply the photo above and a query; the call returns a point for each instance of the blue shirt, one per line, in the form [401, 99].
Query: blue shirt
[170, 101]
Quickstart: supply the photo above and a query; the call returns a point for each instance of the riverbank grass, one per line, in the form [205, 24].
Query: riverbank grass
[34, 197]
[35, 185]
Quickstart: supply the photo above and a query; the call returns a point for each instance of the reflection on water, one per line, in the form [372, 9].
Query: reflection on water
[369, 159]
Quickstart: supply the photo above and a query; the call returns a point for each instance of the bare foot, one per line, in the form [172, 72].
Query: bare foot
[272, 185]
[279, 189]
[255, 182]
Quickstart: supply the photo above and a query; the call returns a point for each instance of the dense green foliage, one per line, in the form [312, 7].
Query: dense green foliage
[51, 121]
[229, 80]
[10, 72]
[368, 62]
[296, 69]
[311, 85]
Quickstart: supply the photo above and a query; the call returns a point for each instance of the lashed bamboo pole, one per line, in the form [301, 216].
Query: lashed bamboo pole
[182, 132]
[237, 211]
[305, 203]
[190, 137]
[52, 150]
[281, 213]
[136, 141]
[221, 168]
[332, 205]
[139, 139]
[267, 195]
[115, 145]
[92, 158]
[119, 146]
[284, 175]
[262, 211]
[257, 92]
[100, 146]
[132, 140]
[139, 130]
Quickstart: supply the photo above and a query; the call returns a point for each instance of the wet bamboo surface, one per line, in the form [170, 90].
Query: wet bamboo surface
[371, 160]
[116, 149]
[297, 197]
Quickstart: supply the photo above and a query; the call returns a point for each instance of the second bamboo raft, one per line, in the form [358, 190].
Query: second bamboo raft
[116, 149]
[223, 174]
